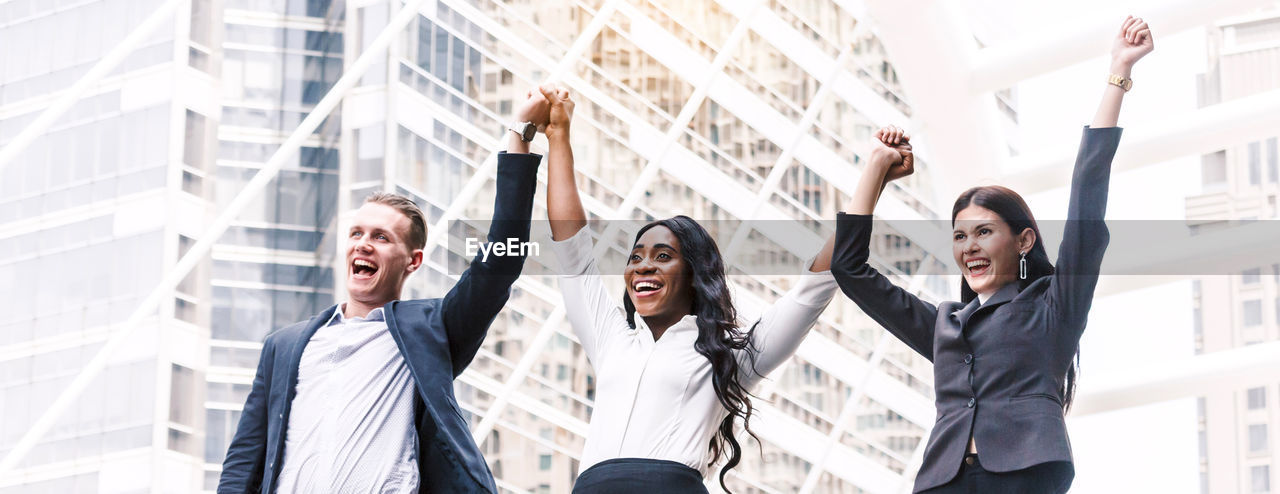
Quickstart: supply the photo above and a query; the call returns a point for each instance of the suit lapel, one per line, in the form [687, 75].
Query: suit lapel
[963, 314]
[1004, 294]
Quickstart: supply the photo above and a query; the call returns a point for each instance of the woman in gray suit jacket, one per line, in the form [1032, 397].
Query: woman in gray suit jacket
[1002, 356]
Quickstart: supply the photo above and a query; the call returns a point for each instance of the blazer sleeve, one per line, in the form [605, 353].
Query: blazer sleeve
[784, 325]
[900, 312]
[1085, 236]
[242, 470]
[594, 315]
[481, 292]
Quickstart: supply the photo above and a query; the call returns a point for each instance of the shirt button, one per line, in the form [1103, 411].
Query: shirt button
[971, 402]
[968, 359]
[280, 415]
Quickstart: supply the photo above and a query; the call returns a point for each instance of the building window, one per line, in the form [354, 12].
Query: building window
[183, 401]
[1213, 168]
[1258, 438]
[1251, 276]
[1261, 478]
[1257, 398]
[1273, 161]
[1255, 163]
[1252, 313]
[544, 462]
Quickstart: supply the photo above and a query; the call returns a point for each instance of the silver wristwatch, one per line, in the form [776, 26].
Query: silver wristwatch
[526, 130]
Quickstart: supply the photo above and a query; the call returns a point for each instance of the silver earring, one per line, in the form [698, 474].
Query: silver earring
[1022, 266]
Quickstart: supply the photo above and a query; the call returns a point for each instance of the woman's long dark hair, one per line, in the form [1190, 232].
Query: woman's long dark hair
[1014, 211]
[718, 332]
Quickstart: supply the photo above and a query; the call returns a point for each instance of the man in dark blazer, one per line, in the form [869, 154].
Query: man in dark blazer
[360, 397]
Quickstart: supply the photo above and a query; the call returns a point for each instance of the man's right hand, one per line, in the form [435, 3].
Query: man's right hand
[535, 109]
[561, 111]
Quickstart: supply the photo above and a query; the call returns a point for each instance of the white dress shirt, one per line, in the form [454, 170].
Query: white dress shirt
[655, 399]
[351, 422]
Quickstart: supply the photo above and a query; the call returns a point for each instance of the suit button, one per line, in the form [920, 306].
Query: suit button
[968, 460]
[968, 359]
[971, 403]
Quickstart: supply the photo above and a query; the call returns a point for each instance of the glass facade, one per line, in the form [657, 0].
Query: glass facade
[727, 104]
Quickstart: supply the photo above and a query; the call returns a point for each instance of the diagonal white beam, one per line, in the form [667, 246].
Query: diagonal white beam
[690, 107]
[99, 70]
[247, 194]
[539, 341]
[913, 467]
[1200, 131]
[963, 126]
[487, 170]
[1237, 368]
[1001, 66]
[846, 416]
[771, 124]
[783, 163]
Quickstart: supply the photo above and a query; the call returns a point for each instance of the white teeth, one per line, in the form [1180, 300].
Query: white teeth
[363, 263]
[977, 263]
[646, 285]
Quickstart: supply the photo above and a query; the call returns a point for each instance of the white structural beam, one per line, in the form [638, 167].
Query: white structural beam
[539, 340]
[243, 199]
[761, 117]
[801, 440]
[1201, 131]
[99, 70]
[963, 126]
[846, 417]
[1001, 66]
[1238, 368]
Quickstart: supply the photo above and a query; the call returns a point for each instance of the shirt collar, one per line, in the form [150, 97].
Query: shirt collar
[338, 318]
[688, 322]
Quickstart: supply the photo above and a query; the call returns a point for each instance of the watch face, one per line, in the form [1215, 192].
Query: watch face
[530, 130]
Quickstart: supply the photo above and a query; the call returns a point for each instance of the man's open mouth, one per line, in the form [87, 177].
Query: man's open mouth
[362, 268]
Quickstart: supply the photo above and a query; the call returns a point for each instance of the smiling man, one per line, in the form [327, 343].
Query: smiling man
[360, 397]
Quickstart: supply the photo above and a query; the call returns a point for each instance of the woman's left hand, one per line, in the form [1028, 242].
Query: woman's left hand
[1132, 43]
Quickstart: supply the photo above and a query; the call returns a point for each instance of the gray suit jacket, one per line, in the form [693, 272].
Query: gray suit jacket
[998, 368]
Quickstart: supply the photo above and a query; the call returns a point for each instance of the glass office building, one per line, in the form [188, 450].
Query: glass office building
[745, 118]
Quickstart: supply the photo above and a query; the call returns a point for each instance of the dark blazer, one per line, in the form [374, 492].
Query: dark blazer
[998, 368]
[437, 337]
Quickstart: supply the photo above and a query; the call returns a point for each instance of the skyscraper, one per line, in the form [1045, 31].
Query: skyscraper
[1238, 427]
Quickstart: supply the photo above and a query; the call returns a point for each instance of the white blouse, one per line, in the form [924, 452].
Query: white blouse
[654, 399]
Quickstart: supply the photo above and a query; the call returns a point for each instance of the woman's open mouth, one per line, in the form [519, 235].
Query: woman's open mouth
[646, 288]
[978, 267]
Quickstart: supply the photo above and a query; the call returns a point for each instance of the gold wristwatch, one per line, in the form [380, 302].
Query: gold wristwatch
[1122, 82]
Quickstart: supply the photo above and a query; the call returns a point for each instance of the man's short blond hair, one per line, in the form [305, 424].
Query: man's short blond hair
[417, 221]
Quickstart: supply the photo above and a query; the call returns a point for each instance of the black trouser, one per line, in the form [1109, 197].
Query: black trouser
[1046, 478]
[639, 476]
